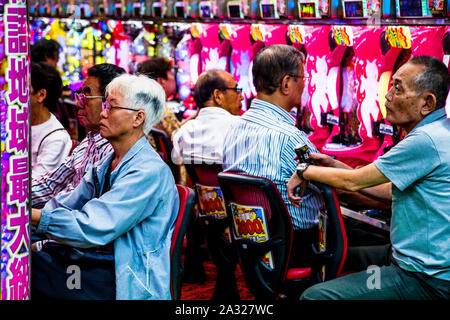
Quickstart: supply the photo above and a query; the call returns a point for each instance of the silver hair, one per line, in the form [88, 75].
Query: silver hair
[140, 92]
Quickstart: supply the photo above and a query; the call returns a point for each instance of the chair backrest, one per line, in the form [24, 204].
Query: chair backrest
[332, 248]
[184, 214]
[212, 212]
[164, 146]
[204, 179]
[258, 212]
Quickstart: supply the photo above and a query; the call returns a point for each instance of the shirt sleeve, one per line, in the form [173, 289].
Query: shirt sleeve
[176, 151]
[51, 154]
[52, 182]
[410, 160]
[81, 220]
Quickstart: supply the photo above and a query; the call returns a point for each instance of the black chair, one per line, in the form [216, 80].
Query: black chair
[184, 214]
[164, 146]
[267, 275]
[331, 251]
[215, 223]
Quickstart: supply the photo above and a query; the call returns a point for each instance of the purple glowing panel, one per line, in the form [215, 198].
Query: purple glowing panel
[14, 152]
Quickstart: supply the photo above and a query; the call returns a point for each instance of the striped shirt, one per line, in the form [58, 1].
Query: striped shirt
[261, 143]
[69, 174]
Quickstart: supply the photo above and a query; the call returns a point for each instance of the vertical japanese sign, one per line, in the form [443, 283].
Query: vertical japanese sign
[14, 74]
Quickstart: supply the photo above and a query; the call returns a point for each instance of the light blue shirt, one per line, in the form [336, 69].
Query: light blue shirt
[419, 169]
[137, 214]
[261, 143]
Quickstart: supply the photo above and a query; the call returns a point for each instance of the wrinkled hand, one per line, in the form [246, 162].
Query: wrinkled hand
[322, 160]
[292, 185]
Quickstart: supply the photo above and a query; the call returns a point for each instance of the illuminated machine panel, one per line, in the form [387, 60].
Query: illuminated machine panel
[313, 9]
[412, 8]
[272, 9]
[237, 9]
[356, 9]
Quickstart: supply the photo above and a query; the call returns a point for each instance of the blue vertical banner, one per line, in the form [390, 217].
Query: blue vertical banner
[15, 162]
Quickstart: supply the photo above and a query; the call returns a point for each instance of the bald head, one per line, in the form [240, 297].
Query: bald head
[207, 82]
[217, 88]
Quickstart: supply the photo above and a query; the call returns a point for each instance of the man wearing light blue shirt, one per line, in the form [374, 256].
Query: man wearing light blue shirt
[262, 141]
[116, 225]
[416, 175]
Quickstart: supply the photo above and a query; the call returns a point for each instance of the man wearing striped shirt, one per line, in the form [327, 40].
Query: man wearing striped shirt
[92, 149]
[261, 142]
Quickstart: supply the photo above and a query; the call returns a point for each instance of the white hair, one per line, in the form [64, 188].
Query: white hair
[140, 92]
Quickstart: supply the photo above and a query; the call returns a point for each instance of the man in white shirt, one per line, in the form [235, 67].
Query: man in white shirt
[219, 101]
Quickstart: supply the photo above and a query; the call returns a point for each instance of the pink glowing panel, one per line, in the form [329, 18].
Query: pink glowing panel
[14, 103]
[195, 49]
[317, 62]
[241, 56]
[121, 44]
[359, 73]
[214, 53]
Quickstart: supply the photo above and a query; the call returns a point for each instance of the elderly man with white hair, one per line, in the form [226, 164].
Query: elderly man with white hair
[113, 231]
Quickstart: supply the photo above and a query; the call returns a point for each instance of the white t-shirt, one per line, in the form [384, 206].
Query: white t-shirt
[202, 137]
[53, 148]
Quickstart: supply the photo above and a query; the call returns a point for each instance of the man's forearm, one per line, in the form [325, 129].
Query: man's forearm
[382, 192]
[350, 180]
[35, 216]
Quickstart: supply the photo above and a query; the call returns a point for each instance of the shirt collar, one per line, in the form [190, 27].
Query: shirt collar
[213, 110]
[432, 117]
[280, 113]
[97, 139]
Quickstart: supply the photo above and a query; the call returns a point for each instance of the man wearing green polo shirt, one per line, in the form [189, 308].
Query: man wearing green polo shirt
[416, 174]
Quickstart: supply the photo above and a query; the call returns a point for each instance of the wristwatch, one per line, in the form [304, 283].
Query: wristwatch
[302, 168]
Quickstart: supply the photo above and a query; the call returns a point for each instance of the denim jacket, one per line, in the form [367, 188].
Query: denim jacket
[137, 214]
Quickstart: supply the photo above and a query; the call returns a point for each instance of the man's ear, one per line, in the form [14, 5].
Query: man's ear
[217, 96]
[284, 88]
[139, 118]
[161, 81]
[429, 105]
[41, 95]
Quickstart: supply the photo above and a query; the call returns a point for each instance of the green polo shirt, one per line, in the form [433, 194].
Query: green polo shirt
[419, 169]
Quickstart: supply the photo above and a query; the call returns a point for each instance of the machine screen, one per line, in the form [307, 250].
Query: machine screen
[354, 9]
[205, 11]
[412, 8]
[268, 10]
[308, 10]
[179, 11]
[157, 11]
[234, 11]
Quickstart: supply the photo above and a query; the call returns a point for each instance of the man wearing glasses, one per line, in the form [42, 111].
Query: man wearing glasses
[116, 225]
[219, 101]
[92, 149]
[262, 141]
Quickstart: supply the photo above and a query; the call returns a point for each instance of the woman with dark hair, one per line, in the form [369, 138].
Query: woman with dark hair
[50, 142]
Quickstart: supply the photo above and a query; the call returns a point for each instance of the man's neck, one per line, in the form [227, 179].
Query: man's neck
[122, 145]
[274, 99]
[39, 115]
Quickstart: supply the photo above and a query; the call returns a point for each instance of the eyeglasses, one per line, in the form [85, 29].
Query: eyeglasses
[107, 106]
[238, 90]
[81, 98]
[305, 76]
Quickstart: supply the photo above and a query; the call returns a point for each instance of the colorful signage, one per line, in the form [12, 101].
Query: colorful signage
[399, 37]
[211, 201]
[297, 33]
[14, 78]
[343, 35]
[322, 239]
[250, 223]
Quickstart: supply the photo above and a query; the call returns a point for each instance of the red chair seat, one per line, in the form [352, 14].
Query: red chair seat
[298, 273]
